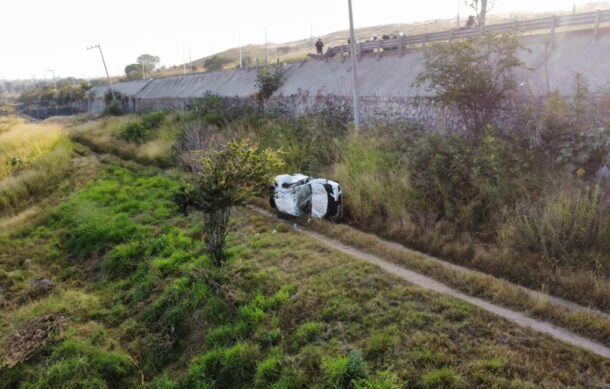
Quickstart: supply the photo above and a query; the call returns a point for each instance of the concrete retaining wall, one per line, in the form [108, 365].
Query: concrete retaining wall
[386, 82]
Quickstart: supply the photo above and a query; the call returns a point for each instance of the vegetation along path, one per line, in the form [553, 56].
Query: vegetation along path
[428, 283]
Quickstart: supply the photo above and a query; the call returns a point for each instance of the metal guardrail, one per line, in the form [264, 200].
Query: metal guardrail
[594, 19]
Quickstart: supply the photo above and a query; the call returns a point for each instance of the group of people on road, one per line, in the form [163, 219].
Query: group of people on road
[470, 23]
[320, 45]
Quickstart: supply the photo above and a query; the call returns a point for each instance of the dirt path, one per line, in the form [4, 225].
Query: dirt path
[431, 284]
[551, 299]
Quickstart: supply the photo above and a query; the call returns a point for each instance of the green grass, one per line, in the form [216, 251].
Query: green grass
[145, 306]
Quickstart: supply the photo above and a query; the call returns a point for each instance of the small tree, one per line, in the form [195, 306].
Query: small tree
[227, 178]
[216, 62]
[475, 77]
[148, 63]
[481, 7]
[134, 71]
[268, 80]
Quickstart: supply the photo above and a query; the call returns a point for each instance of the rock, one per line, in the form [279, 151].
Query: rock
[42, 284]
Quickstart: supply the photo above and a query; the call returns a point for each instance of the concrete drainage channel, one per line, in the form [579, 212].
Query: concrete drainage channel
[431, 284]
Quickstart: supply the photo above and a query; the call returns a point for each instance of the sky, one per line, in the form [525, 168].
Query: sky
[37, 36]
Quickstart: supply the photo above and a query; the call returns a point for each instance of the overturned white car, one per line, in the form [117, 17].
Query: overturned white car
[300, 195]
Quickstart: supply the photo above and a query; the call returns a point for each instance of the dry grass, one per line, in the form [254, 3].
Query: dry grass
[34, 159]
[21, 144]
[103, 136]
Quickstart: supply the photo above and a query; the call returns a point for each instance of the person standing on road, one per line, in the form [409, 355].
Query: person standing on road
[320, 47]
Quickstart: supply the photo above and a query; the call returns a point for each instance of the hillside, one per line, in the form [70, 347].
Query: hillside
[109, 286]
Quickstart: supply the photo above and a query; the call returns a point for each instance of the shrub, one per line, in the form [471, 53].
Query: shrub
[216, 62]
[268, 80]
[219, 111]
[153, 120]
[560, 226]
[114, 104]
[136, 132]
[342, 370]
[141, 131]
[227, 178]
[475, 77]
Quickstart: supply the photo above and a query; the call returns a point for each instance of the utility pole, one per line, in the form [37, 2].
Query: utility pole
[310, 31]
[239, 44]
[54, 80]
[458, 14]
[354, 73]
[266, 48]
[105, 68]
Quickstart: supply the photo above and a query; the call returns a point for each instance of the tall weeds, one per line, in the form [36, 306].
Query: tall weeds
[377, 189]
[23, 143]
[563, 225]
[33, 158]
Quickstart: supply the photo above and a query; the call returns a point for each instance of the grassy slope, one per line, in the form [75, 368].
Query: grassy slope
[143, 304]
[101, 135]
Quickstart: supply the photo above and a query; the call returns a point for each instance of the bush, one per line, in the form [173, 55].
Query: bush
[114, 103]
[268, 80]
[216, 62]
[136, 132]
[227, 178]
[153, 120]
[474, 77]
[561, 226]
[341, 371]
[141, 131]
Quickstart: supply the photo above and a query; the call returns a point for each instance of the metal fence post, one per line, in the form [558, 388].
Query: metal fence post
[402, 43]
[553, 24]
[598, 18]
